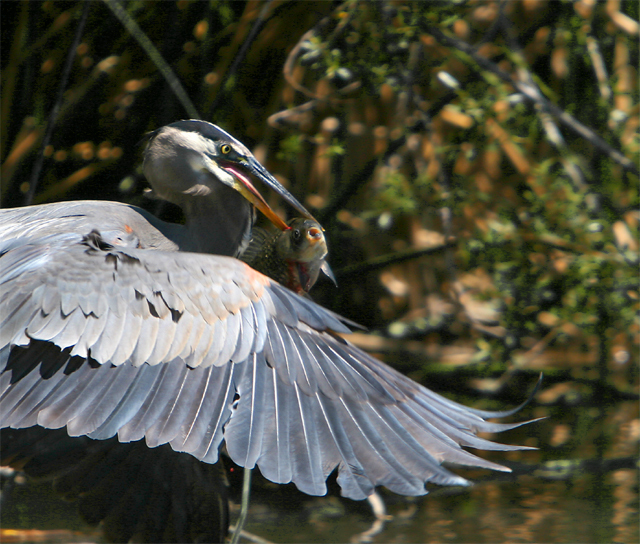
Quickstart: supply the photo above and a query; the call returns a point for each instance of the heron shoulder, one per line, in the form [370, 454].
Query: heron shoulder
[113, 220]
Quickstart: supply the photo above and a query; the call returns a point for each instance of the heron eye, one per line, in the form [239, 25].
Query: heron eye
[225, 149]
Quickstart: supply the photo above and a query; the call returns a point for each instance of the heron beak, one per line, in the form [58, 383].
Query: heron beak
[243, 185]
[261, 173]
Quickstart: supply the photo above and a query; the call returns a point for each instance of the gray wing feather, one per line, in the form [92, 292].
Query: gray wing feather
[231, 339]
[182, 335]
[69, 300]
[203, 338]
[51, 300]
[91, 303]
[163, 428]
[324, 377]
[25, 413]
[15, 312]
[166, 333]
[374, 454]
[146, 341]
[217, 342]
[275, 351]
[90, 335]
[109, 339]
[275, 460]
[246, 335]
[351, 476]
[347, 378]
[335, 383]
[109, 391]
[132, 325]
[293, 365]
[128, 405]
[174, 416]
[216, 413]
[306, 450]
[201, 404]
[74, 397]
[246, 429]
[259, 325]
[46, 327]
[74, 322]
[154, 402]
[50, 361]
[15, 396]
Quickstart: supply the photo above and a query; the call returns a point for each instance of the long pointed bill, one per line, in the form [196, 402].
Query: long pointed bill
[243, 185]
[261, 172]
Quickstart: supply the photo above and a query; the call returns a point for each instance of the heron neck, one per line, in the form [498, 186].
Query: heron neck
[218, 223]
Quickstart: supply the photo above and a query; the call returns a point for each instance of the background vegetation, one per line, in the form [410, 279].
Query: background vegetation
[474, 163]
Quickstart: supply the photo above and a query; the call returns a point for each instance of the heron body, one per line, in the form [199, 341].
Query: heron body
[116, 324]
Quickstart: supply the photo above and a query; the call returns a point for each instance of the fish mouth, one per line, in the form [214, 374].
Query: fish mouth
[316, 246]
[314, 235]
[316, 240]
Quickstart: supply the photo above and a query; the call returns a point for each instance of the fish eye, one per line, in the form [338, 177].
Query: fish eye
[296, 235]
[225, 149]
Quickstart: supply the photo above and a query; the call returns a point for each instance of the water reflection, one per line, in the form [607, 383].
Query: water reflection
[581, 486]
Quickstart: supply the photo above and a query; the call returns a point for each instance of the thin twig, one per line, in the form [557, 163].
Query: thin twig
[155, 55]
[389, 259]
[599, 68]
[71, 55]
[354, 184]
[293, 55]
[546, 119]
[278, 119]
[253, 34]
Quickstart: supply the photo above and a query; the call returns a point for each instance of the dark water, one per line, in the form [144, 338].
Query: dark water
[550, 496]
[581, 486]
[588, 508]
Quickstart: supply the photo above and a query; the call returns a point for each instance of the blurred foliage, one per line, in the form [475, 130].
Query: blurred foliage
[385, 118]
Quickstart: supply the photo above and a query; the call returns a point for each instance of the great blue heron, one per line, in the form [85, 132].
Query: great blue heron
[114, 323]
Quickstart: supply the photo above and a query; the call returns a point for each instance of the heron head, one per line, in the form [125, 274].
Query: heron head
[192, 158]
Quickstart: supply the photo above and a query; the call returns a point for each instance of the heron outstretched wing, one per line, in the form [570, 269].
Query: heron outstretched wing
[192, 349]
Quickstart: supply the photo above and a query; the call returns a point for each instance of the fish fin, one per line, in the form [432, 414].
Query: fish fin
[328, 272]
